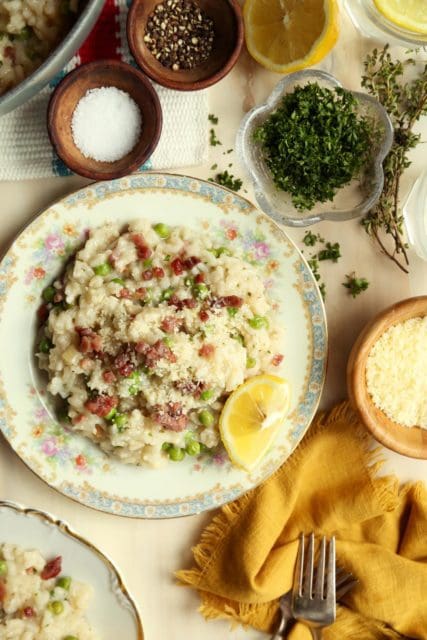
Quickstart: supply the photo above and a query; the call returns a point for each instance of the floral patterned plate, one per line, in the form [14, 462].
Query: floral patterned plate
[72, 464]
[111, 612]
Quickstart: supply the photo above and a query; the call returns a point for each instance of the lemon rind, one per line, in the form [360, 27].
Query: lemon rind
[320, 48]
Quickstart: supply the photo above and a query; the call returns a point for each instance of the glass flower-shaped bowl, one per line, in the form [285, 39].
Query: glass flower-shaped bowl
[352, 200]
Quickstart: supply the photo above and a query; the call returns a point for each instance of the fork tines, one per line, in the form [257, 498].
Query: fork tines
[323, 576]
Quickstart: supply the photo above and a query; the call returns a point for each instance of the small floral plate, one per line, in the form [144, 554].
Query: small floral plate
[69, 462]
[111, 612]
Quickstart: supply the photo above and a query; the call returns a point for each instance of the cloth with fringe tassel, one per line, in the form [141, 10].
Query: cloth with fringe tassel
[330, 485]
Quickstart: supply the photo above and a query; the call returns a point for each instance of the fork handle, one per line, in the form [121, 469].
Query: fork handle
[279, 633]
[316, 633]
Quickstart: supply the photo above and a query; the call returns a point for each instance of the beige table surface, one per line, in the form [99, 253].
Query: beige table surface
[147, 552]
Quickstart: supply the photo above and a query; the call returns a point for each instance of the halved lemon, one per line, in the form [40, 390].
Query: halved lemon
[288, 35]
[409, 14]
[251, 417]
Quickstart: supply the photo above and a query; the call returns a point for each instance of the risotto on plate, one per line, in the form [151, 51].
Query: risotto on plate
[146, 334]
[29, 31]
[37, 602]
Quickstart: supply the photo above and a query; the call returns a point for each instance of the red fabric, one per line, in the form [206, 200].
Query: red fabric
[104, 39]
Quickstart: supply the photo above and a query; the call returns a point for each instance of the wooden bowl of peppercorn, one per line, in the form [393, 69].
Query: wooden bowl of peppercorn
[185, 45]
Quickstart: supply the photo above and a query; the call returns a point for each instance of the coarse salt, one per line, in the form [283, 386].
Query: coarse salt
[106, 124]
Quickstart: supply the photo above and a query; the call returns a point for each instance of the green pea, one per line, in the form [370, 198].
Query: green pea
[64, 582]
[162, 230]
[3, 567]
[45, 345]
[166, 294]
[118, 281]
[24, 34]
[258, 322]
[32, 54]
[63, 415]
[168, 341]
[176, 454]
[56, 607]
[134, 389]
[232, 311]
[48, 294]
[201, 291]
[219, 251]
[166, 446]
[147, 263]
[206, 395]
[193, 448]
[206, 418]
[190, 436]
[103, 269]
[120, 420]
[148, 296]
[111, 414]
[250, 362]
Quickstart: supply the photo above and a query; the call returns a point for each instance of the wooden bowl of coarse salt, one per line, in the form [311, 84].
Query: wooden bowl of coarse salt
[104, 119]
[387, 377]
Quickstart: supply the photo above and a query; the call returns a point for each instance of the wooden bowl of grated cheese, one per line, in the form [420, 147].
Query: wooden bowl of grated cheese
[387, 377]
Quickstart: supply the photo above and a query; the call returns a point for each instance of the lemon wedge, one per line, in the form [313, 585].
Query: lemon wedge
[288, 35]
[251, 418]
[409, 14]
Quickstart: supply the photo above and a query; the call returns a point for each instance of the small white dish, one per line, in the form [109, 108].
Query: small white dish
[112, 611]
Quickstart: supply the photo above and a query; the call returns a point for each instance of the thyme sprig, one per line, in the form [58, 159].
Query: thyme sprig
[406, 102]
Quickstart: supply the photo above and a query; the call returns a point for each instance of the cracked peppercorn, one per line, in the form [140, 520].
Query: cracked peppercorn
[179, 34]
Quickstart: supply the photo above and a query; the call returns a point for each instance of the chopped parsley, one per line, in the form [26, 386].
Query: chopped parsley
[314, 143]
[214, 166]
[355, 285]
[226, 179]
[212, 118]
[213, 140]
[310, 239]
[330, 252]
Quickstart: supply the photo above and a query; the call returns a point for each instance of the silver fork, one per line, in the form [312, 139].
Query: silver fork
[315, 604]
[344, 583]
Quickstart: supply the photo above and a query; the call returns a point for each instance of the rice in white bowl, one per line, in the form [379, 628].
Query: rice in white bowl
[34, 608]
[29, 31]
[147, 336]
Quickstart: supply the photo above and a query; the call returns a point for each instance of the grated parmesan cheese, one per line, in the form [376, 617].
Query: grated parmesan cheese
[396, 373]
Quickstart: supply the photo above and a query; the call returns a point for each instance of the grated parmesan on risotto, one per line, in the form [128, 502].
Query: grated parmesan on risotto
[148, 332]
[396, 372]
[36, 602]
[29, 31]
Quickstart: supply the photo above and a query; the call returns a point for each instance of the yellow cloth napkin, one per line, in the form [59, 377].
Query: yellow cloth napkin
[330, 485]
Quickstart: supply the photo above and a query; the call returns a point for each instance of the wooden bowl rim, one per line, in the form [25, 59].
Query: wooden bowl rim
[71, 78]
[356, 368]
[183, 85]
